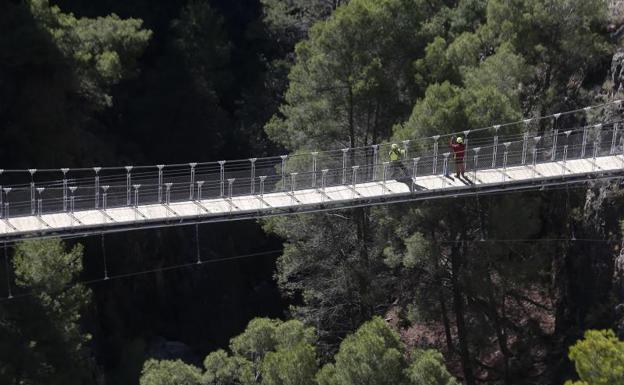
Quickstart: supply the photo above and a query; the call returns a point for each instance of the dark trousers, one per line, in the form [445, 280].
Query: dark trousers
[459, 167]
[398, 170]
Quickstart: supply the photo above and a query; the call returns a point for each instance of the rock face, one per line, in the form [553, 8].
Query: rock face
[618, 287]
[616, 27]
[617, 71]
[163, 349]
[616, 10]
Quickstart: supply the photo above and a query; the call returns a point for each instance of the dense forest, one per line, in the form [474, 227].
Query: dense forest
[498, 289]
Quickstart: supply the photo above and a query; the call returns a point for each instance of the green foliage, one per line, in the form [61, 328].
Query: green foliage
[44, 265]
[290, 366]
[473, 64]
[169, 373]
[348, 83]
[102, 51]
[441, 110]
[42, 338]
[563, 39]
[565, 32]
[417, 251]
[598, 358]
[352, 284]
[290, 355]
[202, 43]
[489, 93]
[427, 368]
[49, 270]
[258, 338]
[436, 66]
[372, 355]
[269, 351]
[467, 16]
[465, 50]
[504, 71]
[223, 369]
[283, 353]
[291, 19]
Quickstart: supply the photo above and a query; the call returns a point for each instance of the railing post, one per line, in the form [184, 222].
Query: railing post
[414, 172]
[614, 139]
[553, 157]
[435, 154]
[160, 181]
[405, 148]
[284, 157]
[64, 171]
[260, 203]
[96, 186]
[505, 156]
[555, 135]
[495, 145]
[565, 151]
[32, 172]
[596, 149]
[314, 166]
[344, 165]
[293, 186]
[354, 179]
[32, 198]
[476, 162]
[584, 144]
[293, 182]
[536, 140]
[136, 194]
[445, 171]
[375, 160]
[323, 183]
[525, 140]
[40, 201]
[105, 196]
[1, 201]
[252, 179]
[200, 183]
[221, 177]
[168, 193]
[385, 175]
[72, 198]
[6, 190]
[415, 167]
[466, 133]
[230, 184]
[128, 186]
[192, 181]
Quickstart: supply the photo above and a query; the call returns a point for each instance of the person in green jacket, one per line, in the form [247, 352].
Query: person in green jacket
[395, 155]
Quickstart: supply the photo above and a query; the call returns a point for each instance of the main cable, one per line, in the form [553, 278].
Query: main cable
[148, 271]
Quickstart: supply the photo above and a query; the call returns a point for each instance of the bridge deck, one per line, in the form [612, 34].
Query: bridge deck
[250, 206]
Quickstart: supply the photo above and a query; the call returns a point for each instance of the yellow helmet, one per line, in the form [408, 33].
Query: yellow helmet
[460, 140]
[395, 146]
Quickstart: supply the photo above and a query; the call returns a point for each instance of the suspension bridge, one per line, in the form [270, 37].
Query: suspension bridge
[535, 153]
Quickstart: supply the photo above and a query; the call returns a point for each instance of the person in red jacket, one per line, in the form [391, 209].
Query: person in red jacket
[457, 144]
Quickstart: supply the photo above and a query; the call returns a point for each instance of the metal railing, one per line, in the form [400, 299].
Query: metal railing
[68, 190]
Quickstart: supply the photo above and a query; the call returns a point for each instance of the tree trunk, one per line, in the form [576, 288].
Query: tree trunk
[458, 305]
[501, 337]
[446, 322]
